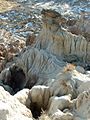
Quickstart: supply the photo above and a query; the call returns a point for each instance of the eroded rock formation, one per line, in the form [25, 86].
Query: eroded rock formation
[43, 60]
[59, 41]
[39, 63]
[11, 108]
[82, 108]
[61, 91]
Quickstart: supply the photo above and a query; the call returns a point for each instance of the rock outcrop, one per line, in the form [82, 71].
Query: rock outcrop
[59, 41]
[43, 60]
[82, 109]
[39, 66]
[57, 99]
[62, 92]
[59, 103]
[11, 108]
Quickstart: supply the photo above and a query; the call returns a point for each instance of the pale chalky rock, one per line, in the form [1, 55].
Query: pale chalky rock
[82, 106]
[82, 81]
[40, 95]
[11, 108]
[60, 103]
[59, 41]
[84, 86]
[64, 84]
[23, 97]
[59, 115]
[3, 94]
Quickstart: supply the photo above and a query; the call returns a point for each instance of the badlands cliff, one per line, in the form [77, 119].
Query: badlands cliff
[59, 41]
[51, 83]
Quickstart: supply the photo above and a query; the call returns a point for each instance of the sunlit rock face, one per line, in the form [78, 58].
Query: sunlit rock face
[11, 108]
[59, 41]
[82, 109]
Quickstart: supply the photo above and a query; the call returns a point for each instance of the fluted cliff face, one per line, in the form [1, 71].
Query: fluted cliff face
[43, 59]
[39, 66]
[59, 41]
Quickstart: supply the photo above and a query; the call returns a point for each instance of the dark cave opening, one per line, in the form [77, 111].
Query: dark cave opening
[36, 110]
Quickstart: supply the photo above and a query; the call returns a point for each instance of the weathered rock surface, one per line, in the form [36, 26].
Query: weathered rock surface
[39, 63]
[40, 95]
[59, 41]
[53, 99]
[82, 110]
[62, 92]
[64, 84]
[59, 115]
[11, 108]
[10, 45]
[59, 103]
[23, 97]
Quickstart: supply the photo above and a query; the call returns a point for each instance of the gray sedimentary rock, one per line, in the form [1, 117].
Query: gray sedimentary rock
[39, 66]
[59, 41]
[43, 64]
[44, 59]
